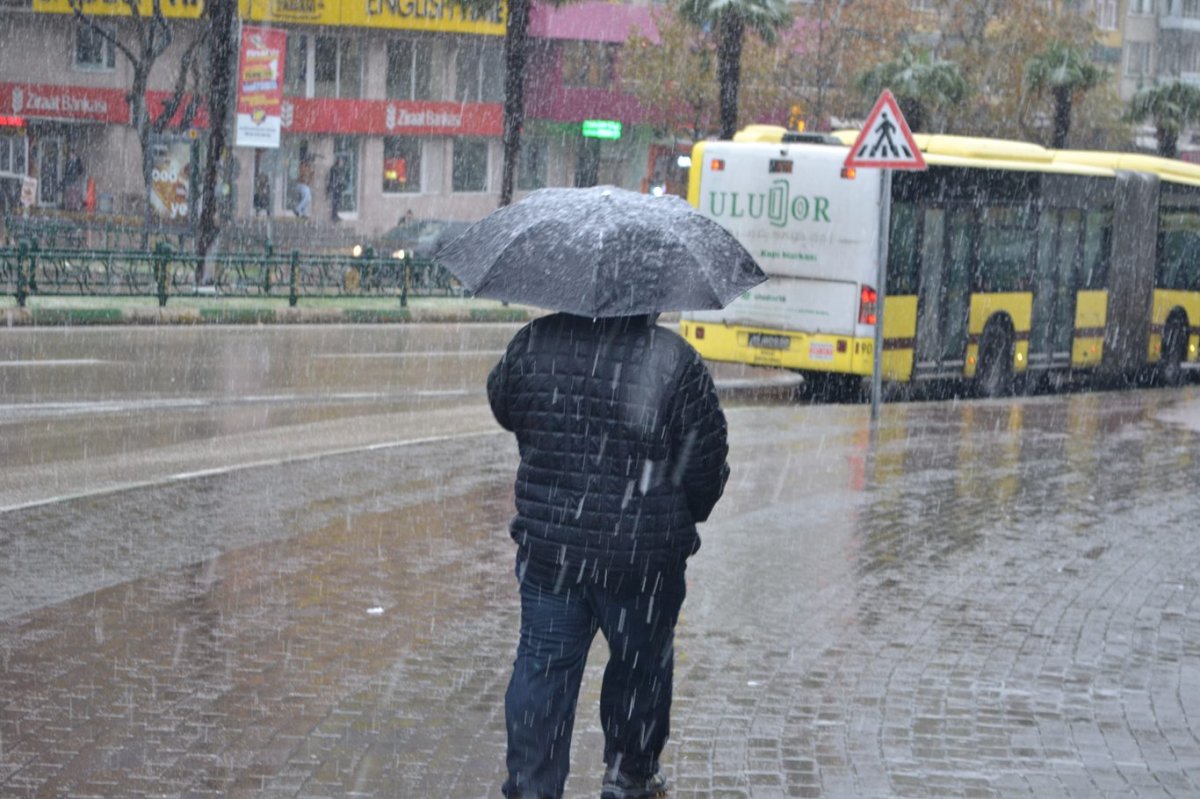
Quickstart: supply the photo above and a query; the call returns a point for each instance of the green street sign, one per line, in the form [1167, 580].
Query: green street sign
[601, 129]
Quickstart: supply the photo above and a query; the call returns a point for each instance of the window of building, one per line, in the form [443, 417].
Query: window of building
[588, 65]
[92, 49]
[295, 65]
[322, 66]
[479, 70]
[1190, 8]
[401, 165]
[1189, 60]
[470, 165]
[414, 69]
[1137, 59]
[1141, 7]
[922, 5]
[337, 67]
[531, 165]
[1106, 14]
[13, 150]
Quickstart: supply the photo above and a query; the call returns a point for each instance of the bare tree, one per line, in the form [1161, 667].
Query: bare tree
[151, 36]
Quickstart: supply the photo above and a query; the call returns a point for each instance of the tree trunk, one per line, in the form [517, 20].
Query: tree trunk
[1062, 118]
[914, 114]
[140, 120]
[730, 30]
[516, 40]
[221, 49]
[1168, 143]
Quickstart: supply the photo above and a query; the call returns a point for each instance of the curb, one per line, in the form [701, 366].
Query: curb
[80, 317]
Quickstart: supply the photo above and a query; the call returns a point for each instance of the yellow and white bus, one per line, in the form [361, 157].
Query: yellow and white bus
[1007, 262]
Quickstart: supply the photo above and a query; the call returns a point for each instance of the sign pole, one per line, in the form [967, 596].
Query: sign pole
[885, 217]
[884, 143]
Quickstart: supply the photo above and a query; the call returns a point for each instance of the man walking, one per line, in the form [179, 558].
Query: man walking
[623, 450]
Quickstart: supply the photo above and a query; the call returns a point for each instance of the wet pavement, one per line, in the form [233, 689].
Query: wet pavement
[314, 597]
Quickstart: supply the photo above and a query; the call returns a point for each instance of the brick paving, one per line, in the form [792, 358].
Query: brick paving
[985, 599]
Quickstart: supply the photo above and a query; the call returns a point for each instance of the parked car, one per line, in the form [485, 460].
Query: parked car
[421, 238]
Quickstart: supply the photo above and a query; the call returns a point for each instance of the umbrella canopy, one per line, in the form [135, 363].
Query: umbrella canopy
[601, 252]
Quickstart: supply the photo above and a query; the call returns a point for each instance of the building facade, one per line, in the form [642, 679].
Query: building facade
[391, 109]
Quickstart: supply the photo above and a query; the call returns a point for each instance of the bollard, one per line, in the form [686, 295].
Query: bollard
[406, 280]
[22, 292]
[162, 256]
[370, 271]
[31, 273]
[293, 278]
[267, 265]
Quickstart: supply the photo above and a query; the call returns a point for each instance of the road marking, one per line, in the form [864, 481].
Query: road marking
[35, 409]
[58, 362]
[421, 354]
[179, 477]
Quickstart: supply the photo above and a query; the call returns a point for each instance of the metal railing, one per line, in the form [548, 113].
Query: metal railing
[29, 269]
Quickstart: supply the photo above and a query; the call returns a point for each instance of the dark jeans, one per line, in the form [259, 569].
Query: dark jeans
[637, 617]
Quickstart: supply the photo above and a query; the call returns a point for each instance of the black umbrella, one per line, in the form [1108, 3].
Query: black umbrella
[602, 251]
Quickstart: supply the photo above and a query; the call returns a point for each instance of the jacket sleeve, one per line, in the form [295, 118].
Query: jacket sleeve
[700, 463]
[498, 381]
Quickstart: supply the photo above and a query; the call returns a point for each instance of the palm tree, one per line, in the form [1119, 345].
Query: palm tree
[1171, 106]
[923, 85]
[516, 50]
[1065, 71]
[731, 18]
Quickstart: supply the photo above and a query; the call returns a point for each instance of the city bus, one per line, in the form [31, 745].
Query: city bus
[1008, 263]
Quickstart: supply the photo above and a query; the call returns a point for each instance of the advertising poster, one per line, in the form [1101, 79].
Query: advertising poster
[171, 180]
[260, 87]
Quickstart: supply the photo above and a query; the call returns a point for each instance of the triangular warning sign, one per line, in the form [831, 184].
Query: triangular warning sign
[885, 141]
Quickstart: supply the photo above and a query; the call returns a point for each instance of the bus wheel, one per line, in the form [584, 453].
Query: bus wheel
[1174, 353]
[994, 378]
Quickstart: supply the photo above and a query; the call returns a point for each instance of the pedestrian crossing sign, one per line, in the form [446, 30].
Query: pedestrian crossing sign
[885, 141]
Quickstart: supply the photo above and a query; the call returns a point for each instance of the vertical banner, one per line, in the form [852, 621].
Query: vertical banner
[171, 179]
[260, 87]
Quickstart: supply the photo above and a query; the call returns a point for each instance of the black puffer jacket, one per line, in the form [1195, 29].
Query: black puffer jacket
[622, 444]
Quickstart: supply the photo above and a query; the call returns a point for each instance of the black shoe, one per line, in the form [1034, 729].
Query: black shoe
[622, 786]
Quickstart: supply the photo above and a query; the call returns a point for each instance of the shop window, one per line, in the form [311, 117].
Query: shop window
[401, 165]
[92, 49]
[414, 69]
[345, 152]
[299, 166]
[12, 156]
[470, 165]
[479, 71]
[588, 65]
[531, 165]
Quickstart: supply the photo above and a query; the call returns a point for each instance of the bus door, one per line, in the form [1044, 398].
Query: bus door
[944, 293]
[1060, 235]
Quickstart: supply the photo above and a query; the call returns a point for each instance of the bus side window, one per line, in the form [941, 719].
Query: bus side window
[1097, 246]
[1006, 257]
[903, 250]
